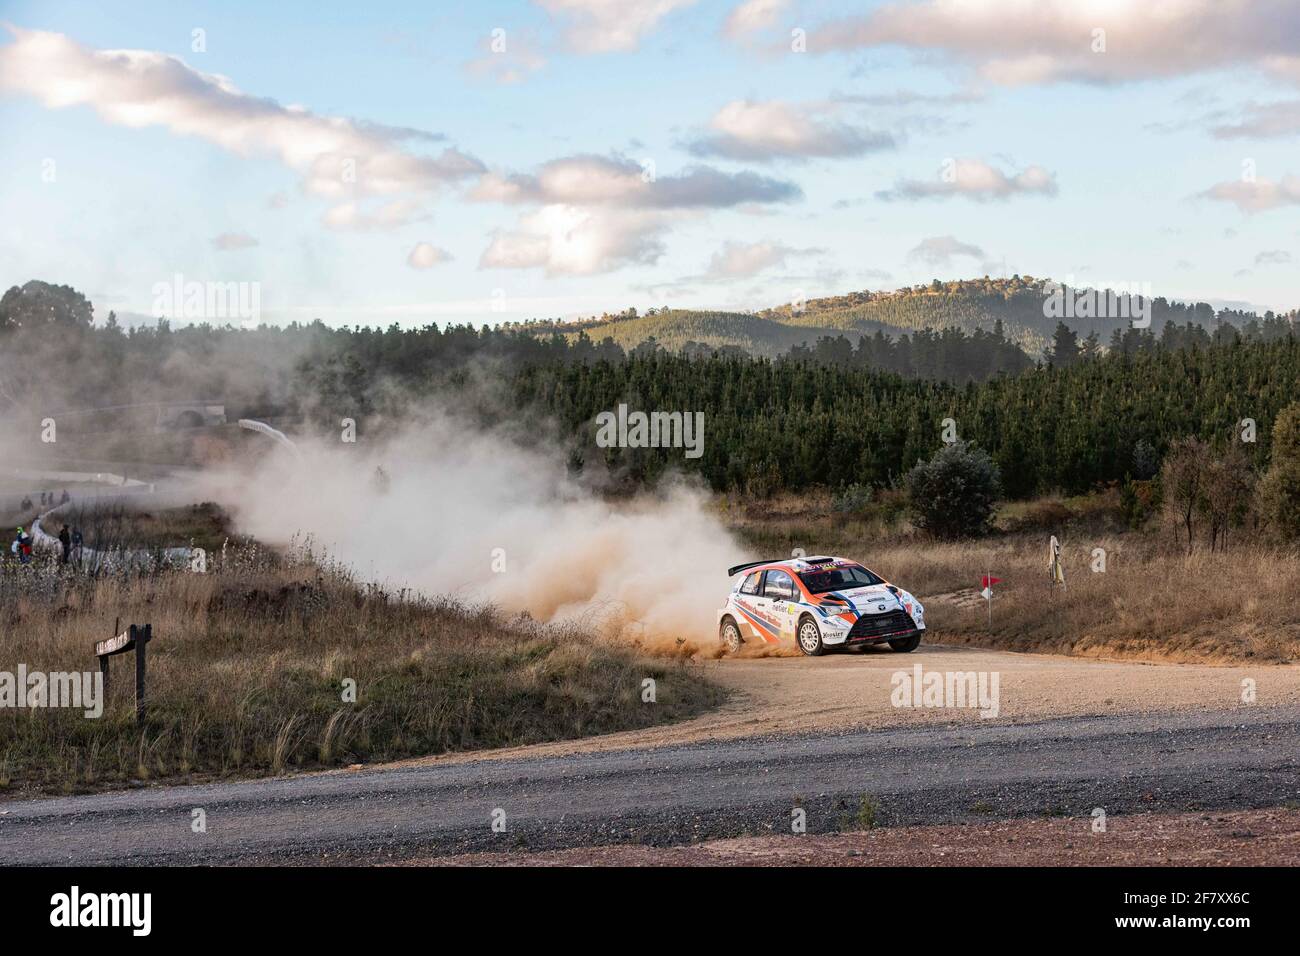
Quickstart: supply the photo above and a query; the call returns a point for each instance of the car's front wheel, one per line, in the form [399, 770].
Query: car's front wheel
[905, 645]
[730, 635]
[810, 638]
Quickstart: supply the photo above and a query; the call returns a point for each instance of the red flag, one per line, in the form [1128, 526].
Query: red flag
[988, 580]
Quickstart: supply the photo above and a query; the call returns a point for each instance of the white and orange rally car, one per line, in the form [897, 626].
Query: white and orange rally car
[819, 603]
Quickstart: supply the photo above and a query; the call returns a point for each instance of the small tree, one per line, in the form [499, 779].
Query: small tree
[1091, 347]
[1146, 463]
[1139, 500]
[1278, 494]
[1065, 346]
[1228, 480]
[853, 500]
[952, 495]
[1182, 480]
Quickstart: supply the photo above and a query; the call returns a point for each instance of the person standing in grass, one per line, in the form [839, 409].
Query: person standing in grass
[65, 539]
[76, 546]
[22, 546]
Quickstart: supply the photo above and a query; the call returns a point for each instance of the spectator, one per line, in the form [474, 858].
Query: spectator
[22, 546]
[65, 539]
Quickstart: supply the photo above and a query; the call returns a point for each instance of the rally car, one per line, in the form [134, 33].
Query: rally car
[819, 603]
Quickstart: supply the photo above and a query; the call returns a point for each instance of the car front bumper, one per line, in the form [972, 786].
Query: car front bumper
[881, 638]
[896, 625]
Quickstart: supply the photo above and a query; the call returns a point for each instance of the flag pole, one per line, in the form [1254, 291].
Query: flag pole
[989, 578]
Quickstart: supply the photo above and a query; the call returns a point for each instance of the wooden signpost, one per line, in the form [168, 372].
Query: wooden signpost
[136, 637]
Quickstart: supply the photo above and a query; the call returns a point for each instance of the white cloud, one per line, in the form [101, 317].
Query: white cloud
[941, 250]
[384, 215]
[1015, 42]
[606, 26]
[596, 214]
[570, 240]
[426, 256]
[1259, 195]
[901, 97]
[508, 57]
[229, 241]
[1273, 257]
[745, 129]
[586, 180]
[751, 17]
[976, 180]
[1263, 120]
[737, 260]
[336, 157]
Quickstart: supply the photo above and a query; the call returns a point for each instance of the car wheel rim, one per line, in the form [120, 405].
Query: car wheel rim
[731, 637]
[808, 636]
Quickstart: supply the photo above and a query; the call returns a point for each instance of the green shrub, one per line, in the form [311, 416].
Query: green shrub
[853, 500]
[952, 495]
[1139, 500]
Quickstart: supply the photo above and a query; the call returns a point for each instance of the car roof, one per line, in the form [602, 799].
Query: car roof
[799, 565]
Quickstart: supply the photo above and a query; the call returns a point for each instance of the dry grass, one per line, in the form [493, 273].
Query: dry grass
[139, 525]
[247, 671]
[1153, 602]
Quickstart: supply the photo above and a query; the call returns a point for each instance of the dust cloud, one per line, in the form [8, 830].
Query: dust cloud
[448, 510]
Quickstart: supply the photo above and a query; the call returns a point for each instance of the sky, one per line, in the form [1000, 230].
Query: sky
[446, 162]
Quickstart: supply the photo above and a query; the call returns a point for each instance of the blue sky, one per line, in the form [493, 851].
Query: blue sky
[645, 153]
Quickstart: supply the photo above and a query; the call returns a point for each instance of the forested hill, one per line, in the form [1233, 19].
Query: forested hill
[968, 305]
[679, 330]
[1021, 303]
[790, 425]
[830, 415]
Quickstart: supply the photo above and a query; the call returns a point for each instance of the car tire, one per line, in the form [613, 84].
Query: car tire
[729, 634]
[905, 645]
[809, 637]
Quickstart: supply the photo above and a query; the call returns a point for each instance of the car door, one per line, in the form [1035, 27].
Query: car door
[780, 594]
[753, 607]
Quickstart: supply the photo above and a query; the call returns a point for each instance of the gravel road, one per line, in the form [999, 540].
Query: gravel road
[1246, 757]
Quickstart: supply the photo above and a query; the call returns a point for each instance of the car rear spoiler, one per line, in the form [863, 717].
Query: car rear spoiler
[732, 572]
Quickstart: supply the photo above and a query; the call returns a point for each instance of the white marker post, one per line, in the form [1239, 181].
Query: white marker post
[988, 594]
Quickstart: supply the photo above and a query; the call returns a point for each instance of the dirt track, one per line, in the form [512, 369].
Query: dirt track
[817, 734]
[1242, 838]
[852, 690]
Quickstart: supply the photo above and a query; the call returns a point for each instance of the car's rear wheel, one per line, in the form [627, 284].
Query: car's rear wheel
[730, 635]
[905, 645]
[810, 637]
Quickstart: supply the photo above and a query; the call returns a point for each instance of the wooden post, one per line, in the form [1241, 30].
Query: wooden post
[141, 636]
[135, 637]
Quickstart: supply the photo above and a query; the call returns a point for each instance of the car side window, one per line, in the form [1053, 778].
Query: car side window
[750, 586]
[779, 586]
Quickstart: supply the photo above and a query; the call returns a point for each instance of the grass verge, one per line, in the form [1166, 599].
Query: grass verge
[251, 664]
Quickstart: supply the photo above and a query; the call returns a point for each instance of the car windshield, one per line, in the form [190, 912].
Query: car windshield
[825, 580]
